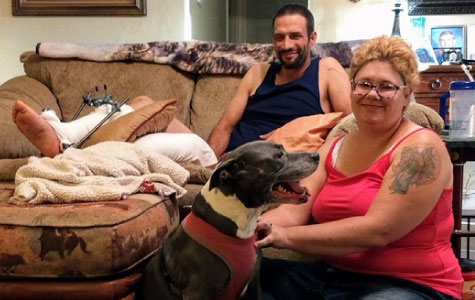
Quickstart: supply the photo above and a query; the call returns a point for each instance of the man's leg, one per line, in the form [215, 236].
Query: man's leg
[180, 147]
[175, 126]
[46, 131]
[140, 101]
[36, 129]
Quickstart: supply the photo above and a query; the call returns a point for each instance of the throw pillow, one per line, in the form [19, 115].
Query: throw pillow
[305, 133]
[152, 118]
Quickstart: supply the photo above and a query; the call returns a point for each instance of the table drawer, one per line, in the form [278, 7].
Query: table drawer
[437, 83]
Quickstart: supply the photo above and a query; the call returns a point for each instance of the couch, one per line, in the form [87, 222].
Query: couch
[63, 248]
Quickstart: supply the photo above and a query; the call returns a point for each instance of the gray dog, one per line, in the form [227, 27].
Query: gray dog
[211, 255]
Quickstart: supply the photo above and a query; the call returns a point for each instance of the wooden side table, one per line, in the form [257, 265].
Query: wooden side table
[435, 81]
[461, 150]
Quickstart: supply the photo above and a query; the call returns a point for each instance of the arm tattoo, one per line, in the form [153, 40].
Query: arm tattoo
[416, 167]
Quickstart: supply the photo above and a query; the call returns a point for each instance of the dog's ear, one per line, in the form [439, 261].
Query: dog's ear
[224, 172]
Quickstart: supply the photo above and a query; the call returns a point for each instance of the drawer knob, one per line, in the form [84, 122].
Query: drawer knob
[436, 84]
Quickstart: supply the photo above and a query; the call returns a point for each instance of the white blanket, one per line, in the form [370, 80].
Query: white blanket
[103, 172]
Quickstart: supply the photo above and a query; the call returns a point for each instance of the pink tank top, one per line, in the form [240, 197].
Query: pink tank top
[424, 255]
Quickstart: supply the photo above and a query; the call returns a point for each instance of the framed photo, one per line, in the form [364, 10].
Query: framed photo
[425, 54]
[79, 8]
[439, 7]
[449, 43]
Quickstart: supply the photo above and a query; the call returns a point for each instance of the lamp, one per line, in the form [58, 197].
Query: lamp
[397, 9]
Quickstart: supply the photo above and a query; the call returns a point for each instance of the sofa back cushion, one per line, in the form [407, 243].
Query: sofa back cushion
[212, 94]
[72, 79]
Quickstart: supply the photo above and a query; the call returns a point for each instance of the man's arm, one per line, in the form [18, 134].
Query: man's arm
[219, 137]
[336, 84]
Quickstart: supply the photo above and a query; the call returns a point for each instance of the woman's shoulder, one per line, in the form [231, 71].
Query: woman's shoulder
[422, 151]
[420, 135]
[422, 142]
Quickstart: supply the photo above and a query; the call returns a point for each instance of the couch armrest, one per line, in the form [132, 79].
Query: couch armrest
[33, 93]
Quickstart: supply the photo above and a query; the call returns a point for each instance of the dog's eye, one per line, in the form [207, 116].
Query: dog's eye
[278, 155]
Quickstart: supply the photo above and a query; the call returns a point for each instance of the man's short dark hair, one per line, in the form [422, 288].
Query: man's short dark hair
[296, 9]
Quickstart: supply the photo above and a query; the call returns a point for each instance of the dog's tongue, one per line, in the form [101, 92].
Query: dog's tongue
[295, 187]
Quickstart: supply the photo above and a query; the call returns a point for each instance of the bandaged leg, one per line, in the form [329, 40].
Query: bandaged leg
[72, 132]
[180, 147]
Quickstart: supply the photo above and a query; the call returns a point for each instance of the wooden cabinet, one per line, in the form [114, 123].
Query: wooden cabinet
[435, 81]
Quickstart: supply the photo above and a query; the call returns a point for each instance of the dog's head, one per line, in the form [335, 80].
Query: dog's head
[262, 172]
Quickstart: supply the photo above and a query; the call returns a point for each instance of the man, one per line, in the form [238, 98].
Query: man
[271, 95]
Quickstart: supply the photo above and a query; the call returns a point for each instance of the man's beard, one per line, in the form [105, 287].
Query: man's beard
[298, 62]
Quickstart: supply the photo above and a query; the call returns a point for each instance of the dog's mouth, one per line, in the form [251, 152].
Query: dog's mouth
[290, 191]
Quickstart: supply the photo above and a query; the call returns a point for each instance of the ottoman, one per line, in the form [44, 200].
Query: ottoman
[92, 250]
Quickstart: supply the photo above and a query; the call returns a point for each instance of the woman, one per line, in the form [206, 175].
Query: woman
[380, 215]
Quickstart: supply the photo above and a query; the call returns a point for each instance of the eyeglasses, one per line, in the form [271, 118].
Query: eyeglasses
[384, 90]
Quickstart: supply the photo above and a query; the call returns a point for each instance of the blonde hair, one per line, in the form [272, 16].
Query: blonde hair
[392, 49]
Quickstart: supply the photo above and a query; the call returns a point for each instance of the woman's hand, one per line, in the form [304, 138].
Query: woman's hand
[270, 235]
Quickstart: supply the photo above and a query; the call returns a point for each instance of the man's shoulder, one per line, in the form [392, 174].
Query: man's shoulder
[329, 61]
[259, 67]
[258, 72]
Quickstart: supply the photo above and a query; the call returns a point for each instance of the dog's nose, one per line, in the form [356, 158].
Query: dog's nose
[315, 156]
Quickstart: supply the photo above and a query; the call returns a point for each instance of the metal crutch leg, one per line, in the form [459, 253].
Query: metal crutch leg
[115, 108]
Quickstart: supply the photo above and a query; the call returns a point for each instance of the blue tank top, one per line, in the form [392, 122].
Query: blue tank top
[273, 105]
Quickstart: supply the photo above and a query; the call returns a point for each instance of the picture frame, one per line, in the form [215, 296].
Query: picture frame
[79, 8]
[449, 43]
[440, 7]
[425, 54]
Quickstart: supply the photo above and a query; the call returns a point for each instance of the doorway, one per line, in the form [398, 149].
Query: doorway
[250, 21]
[236, 21]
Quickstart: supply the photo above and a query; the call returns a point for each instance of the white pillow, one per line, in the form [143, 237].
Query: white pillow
[181, 147]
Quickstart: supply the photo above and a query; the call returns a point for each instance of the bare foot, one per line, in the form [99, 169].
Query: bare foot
[36, 129]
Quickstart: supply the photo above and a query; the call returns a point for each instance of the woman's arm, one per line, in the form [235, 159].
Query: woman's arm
[420, 170]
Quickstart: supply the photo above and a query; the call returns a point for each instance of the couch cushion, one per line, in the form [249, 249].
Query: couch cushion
[82, 240]
[212, 94]
[33, 93]
[72, 79]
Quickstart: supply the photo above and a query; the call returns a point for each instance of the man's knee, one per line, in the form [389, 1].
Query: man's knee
[181, 147]
[140, 101]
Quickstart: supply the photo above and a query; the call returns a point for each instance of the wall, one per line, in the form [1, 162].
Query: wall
[164, 21]
[208, 20]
